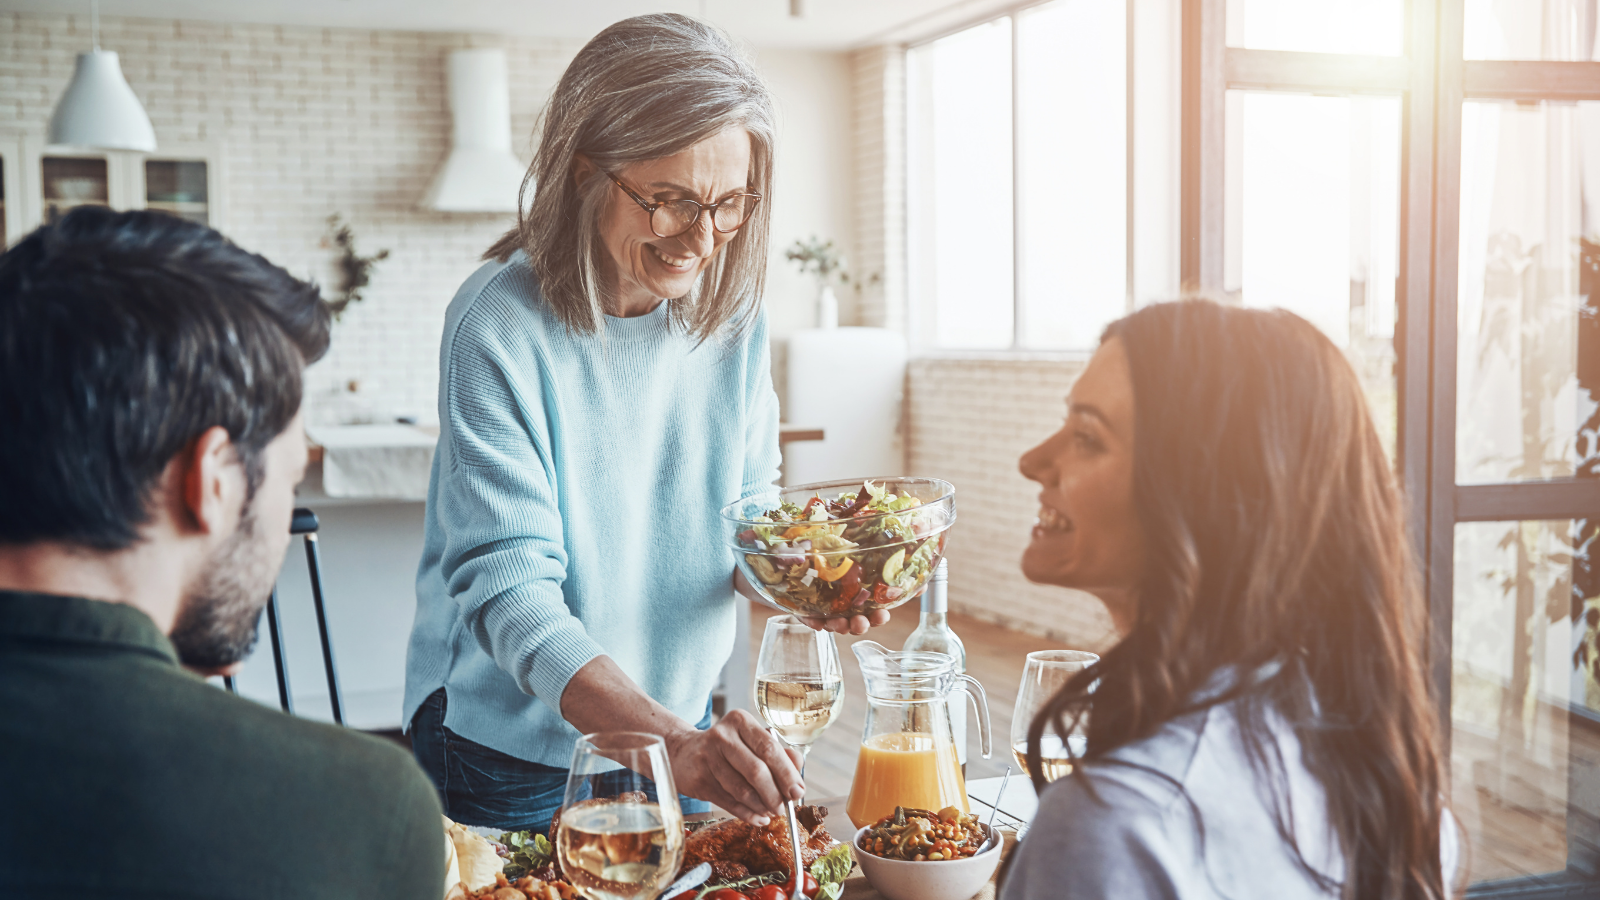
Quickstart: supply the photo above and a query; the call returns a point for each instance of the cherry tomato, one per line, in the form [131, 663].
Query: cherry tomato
[686, 895]
[849, 584]
[809, 888]
[769, 892]
[727, 894]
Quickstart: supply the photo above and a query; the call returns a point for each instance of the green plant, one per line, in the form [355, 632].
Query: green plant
[819, 259]
[355, 270]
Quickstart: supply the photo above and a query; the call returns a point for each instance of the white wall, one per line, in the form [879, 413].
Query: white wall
[812, 184]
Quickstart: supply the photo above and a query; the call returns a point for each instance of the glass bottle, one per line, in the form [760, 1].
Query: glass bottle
[933, 635]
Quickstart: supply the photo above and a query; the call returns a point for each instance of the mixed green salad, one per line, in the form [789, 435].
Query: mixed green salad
[861, 551]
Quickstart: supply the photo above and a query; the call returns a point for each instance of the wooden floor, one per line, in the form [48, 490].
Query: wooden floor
[994, 657]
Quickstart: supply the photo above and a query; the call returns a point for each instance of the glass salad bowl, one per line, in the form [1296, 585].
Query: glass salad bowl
[838, 548]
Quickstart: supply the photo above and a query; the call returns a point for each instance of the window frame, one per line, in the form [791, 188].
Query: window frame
[1434, 81]
[921, 306]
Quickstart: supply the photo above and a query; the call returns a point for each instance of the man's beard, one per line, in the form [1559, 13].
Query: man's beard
[217, 623]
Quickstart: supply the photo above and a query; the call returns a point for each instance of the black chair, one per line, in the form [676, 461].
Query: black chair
[304, 523]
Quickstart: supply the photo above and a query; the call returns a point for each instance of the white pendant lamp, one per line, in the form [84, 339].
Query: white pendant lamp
[480, 174]
[98, 110]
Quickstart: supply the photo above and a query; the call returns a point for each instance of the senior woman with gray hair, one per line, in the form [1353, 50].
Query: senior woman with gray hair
[604, 390]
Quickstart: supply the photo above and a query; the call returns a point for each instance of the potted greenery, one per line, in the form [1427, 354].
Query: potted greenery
[822, 261]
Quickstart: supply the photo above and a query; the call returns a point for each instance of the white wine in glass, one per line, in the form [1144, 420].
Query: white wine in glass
[621, 844]
[1045, 672]
[1054, 758]
[799, 682]
[799, 706]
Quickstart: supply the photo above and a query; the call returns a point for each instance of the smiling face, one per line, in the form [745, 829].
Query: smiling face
[646, 268]
[1088, 533]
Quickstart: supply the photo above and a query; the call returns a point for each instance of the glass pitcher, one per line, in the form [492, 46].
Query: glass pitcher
[908, 751]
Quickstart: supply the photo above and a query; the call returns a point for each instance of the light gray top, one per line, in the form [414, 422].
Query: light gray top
[1136, 834]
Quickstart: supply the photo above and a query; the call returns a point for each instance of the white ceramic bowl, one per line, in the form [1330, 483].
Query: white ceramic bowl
[949, 879]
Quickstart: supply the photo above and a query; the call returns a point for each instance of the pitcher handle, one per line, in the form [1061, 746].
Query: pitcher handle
[974, 689]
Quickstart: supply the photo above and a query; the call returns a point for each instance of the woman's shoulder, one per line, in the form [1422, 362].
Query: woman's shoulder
[499, 292]
[1186, 807]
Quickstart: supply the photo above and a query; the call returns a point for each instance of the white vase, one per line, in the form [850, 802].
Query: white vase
[827, 308]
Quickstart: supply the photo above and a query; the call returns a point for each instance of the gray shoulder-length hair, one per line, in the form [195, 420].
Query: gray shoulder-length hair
[644, 88]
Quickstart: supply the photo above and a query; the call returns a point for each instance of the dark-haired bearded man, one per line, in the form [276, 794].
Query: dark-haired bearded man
[150, 387]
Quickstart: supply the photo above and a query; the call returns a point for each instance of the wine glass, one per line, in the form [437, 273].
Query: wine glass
[799, 683]
[1043, 675]
[621, 835]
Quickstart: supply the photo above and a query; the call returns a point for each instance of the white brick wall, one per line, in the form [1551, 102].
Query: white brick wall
[878, 114]
[971, 417]
[312, 121]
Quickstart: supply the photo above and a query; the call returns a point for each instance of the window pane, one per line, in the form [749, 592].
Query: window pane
[1072, 170]
[1528, 348]
[1530, 29]
[1373, 27]
[1314, 222]
[959, 172]
[72, 181]
[1524, 697]
[177, 187]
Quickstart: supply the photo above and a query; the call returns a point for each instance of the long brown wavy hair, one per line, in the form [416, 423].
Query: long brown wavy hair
[1275, 535]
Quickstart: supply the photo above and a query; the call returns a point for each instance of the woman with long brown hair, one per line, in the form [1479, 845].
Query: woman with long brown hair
[1265, 726]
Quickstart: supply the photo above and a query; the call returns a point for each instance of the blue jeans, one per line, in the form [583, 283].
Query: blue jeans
[478, 785]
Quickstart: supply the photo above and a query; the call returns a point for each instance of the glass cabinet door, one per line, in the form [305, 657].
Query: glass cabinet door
[70, 181]
[177, 187]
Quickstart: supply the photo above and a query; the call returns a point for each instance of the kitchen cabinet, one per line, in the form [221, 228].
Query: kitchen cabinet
[39, 183]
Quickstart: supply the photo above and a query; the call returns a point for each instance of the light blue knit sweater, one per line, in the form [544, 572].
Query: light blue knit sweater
[572, 510]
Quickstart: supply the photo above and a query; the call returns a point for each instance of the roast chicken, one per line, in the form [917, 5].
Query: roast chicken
[736, 849]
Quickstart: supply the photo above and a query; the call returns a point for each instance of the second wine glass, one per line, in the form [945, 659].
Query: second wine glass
[1043, 675]
[799, 683]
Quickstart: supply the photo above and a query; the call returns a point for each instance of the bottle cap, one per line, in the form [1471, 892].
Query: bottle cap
[936, 599]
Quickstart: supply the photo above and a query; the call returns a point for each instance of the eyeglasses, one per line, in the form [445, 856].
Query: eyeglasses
[670, 218]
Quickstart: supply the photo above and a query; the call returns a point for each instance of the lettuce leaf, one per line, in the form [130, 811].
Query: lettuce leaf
[529, 851]
[831, 869]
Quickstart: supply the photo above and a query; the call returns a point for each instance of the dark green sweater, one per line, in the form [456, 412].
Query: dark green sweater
[123, 774]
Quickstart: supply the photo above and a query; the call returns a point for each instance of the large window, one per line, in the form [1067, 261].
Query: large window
[1021, 167]
[1422, 180]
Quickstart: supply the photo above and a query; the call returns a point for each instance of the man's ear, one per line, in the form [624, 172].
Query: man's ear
[582, 168]
[213, 482]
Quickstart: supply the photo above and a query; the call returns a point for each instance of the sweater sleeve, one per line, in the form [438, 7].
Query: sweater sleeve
[504, 559]
[761, 455]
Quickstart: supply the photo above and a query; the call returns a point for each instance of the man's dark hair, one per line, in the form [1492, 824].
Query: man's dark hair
[123, 337]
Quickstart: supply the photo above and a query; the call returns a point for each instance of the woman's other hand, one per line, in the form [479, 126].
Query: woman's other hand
[737, 765]
[850, 624]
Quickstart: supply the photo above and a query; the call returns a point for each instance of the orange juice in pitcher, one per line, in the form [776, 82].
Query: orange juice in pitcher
[908, 752]
[903, 769]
